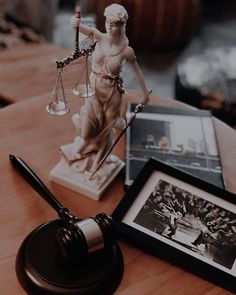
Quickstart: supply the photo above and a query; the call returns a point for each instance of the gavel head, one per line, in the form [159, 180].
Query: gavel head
[81, 238]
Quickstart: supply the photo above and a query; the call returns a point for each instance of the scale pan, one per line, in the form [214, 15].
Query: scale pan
[57, 108]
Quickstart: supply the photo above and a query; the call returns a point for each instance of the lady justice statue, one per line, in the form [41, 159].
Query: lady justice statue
[100, 114]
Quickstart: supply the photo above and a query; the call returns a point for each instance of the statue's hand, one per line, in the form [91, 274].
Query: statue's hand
[139, 108]
[146, 97]
[75, 21]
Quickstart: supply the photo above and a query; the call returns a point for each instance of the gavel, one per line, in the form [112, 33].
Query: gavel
[79, 238]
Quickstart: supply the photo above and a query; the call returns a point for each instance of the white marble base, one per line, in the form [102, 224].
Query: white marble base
[69, 176]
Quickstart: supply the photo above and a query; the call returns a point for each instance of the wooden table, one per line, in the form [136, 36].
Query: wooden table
[30, 70]
[28, 130]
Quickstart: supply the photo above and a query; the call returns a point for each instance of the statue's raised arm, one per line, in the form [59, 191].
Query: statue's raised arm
[86, 30]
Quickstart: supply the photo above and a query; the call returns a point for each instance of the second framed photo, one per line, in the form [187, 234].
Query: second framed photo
[182, 138]
[182, 219]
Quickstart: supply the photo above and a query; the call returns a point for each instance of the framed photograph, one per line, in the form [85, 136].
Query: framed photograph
[182, 138]
[183, 219]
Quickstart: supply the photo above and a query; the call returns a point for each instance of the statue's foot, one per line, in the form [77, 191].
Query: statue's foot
[82, 165]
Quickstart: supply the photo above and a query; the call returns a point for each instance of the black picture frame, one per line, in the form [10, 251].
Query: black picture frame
[202, 240]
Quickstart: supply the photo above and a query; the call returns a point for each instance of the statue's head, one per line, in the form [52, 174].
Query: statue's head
[116, 13]
[116, 17]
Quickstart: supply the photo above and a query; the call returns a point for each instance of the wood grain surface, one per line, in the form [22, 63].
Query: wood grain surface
[27, 130]
[30, 70]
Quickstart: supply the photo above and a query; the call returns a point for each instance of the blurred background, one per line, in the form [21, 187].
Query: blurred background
[185, 48]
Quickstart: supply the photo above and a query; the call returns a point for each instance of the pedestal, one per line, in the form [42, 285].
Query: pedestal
[69, 176]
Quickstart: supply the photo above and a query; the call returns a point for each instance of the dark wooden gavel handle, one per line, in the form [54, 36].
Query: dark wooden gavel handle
[34, 181]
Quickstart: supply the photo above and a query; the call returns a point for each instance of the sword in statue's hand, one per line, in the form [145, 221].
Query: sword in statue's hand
[137, 110]
[77, 12]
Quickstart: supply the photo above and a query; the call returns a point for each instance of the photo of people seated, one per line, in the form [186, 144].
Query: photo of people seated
[191, 221]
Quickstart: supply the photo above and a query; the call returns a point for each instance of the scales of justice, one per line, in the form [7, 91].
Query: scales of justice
[87, 164]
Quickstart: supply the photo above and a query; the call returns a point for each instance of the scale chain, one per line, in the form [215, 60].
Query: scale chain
[62, 88]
